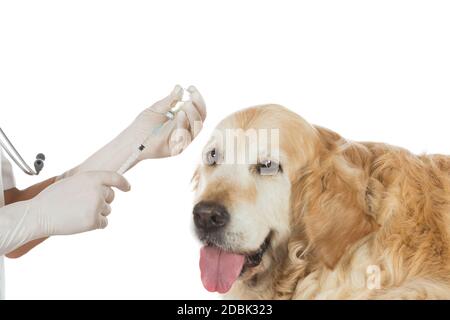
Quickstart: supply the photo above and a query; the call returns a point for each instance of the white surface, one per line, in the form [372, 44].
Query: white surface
[370, 70]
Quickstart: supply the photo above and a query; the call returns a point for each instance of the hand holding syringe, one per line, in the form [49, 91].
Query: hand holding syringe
[163, 130]
[170, 116]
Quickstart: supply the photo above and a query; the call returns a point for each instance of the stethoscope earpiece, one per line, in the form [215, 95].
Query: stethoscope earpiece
[6, 144]
[39, 163]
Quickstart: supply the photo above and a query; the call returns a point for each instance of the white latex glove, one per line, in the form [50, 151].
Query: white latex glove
[74, 205]
[165, 137]
[169, 138]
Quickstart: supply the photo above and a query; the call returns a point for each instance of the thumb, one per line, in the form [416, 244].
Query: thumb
[169, 102]
[113, 179]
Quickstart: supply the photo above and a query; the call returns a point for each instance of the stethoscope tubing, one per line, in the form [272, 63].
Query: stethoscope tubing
[15, 155]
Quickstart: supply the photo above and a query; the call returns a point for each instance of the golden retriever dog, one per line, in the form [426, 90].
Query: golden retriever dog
[312, 215]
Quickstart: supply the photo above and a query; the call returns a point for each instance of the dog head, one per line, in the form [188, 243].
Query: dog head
[267, 174]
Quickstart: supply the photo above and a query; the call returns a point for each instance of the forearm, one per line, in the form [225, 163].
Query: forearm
[17, 226]
[15, 195]
[19, 252]
[119, 150]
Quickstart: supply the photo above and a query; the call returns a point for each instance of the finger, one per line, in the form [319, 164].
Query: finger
[102, 222]
[106, 210]
[181, 137]
[198, 101]
[169, 102]
[194, 117]
[113, 179]
[108, 194]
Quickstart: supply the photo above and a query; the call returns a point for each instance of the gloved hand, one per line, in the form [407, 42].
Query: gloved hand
[165, 137]
[73, 205]
[169, 138]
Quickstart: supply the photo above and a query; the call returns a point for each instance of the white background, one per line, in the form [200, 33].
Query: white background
[74, 73]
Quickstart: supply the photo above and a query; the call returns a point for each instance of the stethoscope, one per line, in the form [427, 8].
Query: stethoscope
[40, 157]
[17, 158]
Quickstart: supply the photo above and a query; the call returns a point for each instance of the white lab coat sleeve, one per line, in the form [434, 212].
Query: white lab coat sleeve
[7, 173]
[6, 182]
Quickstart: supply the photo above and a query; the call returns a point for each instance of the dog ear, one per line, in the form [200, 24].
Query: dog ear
[334, 209]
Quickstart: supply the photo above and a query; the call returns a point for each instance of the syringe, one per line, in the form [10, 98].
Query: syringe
[170, 116]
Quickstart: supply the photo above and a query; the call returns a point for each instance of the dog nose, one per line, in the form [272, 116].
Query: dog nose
[210, 216]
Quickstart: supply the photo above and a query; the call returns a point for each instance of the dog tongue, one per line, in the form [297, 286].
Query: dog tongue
[219, 269]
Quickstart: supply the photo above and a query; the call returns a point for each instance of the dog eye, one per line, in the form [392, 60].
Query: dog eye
[211, 157]
[268, 168]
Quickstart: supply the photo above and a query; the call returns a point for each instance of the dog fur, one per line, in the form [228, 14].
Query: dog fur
[337, 211]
